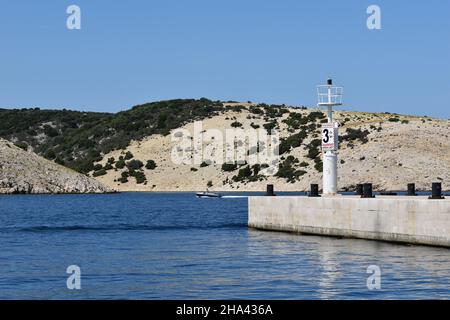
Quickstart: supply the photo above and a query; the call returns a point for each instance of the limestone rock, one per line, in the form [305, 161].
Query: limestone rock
[25, 172]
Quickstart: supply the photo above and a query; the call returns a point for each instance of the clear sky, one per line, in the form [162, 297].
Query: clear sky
[131, 52]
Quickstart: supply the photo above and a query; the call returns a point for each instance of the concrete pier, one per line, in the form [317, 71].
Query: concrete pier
[415, 220]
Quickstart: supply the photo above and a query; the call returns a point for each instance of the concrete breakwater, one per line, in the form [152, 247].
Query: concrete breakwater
[414, 220]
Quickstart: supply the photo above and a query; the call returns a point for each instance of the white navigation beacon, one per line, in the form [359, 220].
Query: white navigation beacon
[329, 96]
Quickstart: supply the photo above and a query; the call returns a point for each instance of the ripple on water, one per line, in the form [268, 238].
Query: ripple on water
[175, 246]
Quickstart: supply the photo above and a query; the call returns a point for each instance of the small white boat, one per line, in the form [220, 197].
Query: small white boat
[208, 194]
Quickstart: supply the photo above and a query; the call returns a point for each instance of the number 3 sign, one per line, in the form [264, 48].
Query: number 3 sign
[329, 137]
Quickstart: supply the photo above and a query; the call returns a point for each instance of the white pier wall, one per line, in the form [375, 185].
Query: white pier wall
[414, 220]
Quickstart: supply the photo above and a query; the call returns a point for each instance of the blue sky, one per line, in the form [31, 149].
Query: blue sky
[131, 52]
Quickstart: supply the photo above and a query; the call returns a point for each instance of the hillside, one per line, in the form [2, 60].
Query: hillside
[131, 150]
[385, 149]
[78, 139]
[26, 172]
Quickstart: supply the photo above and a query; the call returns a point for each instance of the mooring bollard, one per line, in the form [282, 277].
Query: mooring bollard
[359, 189]
[269, 192]
[436, 191]
[314, 191]
[412, 189]
[367, 191]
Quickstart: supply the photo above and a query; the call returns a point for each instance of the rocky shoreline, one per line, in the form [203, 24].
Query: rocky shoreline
[23, 172]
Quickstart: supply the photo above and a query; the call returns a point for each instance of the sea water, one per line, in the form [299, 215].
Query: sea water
[176, 246]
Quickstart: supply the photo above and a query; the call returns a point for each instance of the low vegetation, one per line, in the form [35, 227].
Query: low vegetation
[249, 174]
[79, 139]
[150, 165]
[354, 135]
[287, 170]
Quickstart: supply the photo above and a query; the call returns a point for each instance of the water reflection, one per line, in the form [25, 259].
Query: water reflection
[333, 268]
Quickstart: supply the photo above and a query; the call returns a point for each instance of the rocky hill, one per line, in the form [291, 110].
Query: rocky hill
[131, 150]
[78, 139]
[26, 172]
[385, 149]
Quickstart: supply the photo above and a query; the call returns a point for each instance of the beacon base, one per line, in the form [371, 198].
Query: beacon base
[329, 174]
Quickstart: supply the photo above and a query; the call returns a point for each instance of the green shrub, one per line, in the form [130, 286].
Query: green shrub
[274, 111]
[51, 155]
[22, 145]
[355, 134]
[150, 165]
[82, 166]
[227, 167]
[162, 118]
[294, 121]
[123, 179]
[32, 132]
[97, 167]
[50, 131]
[315, 143]
[128, 155]
[292, 159]
[108, 166]
[120, 164]
[287, 170]
[293, 141]
[313, 153]
[139, 176]
[248, 174]
[316, 115]
[256, 168]
[236, 124]
[318, 165]
[312, 127]
[245, 172]
[256, 110]
[98, 173]
[204, 164]
[134, 165]
[270, 126]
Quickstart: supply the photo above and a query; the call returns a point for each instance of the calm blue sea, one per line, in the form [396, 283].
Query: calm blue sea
[175, 246]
